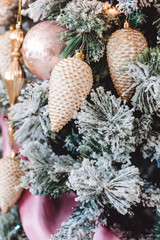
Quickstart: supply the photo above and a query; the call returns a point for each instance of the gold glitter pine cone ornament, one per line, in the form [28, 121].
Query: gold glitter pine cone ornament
[123, 46]
[10, 174]
[70, 83]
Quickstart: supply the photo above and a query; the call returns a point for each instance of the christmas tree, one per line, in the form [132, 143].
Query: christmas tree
[80, 92]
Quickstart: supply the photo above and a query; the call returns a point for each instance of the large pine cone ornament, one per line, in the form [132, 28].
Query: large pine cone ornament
[10, 173]
[124, 45]
[70, 83]
[5, 52]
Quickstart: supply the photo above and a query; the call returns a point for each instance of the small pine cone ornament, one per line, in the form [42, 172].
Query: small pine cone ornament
[71, 81]
[10, 173]
[124, 45]
[5, 51]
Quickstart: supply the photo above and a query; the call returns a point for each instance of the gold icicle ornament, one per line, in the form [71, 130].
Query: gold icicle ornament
[14, 75]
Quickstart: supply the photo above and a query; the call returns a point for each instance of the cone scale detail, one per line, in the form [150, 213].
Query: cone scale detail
[123, 46]
[70, 83]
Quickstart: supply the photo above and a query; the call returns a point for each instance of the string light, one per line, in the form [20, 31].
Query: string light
[113, 11]
[110, 10]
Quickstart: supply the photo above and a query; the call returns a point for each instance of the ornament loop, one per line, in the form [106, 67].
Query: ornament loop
[10, 133]
[80, 55]
[19, 16]
[126, 24]
[13, 154]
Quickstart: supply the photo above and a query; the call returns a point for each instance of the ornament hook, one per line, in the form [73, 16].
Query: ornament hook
[19, 16]
[80, 55]
[126, 24]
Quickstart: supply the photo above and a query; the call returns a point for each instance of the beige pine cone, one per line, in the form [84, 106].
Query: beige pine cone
[10, 173]
[124, 45]
[5, 52]
[71, 81]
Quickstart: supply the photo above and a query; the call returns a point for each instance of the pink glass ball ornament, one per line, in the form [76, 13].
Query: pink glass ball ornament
[42, 48]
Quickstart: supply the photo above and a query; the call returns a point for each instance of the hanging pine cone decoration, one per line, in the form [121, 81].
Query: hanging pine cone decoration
[124, 45]
[10, 173]
[70, 83]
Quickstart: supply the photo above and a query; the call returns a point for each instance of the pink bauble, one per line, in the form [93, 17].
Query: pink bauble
[42, 48]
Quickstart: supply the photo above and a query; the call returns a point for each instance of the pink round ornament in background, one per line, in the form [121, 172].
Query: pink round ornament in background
[42, 48]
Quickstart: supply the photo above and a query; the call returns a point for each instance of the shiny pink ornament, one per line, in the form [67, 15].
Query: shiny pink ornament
[42, 48]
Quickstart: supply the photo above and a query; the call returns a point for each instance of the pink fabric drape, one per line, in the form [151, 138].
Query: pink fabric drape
[104, 234]
[41, 216]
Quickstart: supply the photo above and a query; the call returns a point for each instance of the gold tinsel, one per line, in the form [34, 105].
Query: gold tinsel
[70, 83]
[124, 45]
